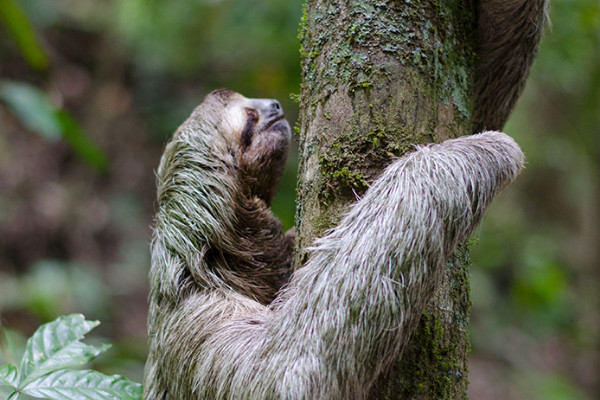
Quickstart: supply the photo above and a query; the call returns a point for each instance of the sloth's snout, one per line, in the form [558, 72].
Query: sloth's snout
[275, 106]
[269, 109]
[272, 110]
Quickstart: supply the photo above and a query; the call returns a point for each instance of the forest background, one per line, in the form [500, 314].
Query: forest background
[90, 92]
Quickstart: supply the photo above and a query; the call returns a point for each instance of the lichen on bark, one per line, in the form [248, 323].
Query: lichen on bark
[378, 78]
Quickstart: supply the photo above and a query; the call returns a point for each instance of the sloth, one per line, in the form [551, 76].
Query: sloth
[217, 326]
[229, 318]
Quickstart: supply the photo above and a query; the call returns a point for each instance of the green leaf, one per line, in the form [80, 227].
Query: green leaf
[32, 107]
[53, 347]
[84, 385]
[8, 375]
[23, 34]
[79, 142]
[56, 345]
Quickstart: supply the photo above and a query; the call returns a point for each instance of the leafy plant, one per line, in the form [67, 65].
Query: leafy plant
[45, 368]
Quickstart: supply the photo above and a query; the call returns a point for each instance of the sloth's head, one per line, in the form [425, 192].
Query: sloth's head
[257, 135]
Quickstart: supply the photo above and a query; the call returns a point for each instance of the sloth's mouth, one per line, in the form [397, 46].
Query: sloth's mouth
[273, 121]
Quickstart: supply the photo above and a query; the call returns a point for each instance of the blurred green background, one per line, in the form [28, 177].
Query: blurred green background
[91, 90]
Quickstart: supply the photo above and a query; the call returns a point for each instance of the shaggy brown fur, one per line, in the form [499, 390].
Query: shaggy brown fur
[508, 34]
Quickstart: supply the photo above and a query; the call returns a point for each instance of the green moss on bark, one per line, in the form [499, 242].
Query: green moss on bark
[434, 364]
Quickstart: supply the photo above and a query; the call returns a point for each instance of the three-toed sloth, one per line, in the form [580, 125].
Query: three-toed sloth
[228, 316]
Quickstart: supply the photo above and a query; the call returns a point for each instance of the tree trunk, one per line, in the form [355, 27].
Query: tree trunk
[378, 77]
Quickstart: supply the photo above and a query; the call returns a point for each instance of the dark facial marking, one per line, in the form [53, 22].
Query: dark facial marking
[251, 121]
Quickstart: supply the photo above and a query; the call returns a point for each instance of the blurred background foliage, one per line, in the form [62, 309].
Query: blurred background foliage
[90, 91]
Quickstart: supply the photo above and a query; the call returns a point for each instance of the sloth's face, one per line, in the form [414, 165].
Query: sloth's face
[259, 137]
[255, 123]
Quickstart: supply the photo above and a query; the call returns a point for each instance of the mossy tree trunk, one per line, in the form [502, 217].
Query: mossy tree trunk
[378, 77]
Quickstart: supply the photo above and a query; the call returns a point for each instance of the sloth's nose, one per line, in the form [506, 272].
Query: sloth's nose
[272, 109]
[276, 106]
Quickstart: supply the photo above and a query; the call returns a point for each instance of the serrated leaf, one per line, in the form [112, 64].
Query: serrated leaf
[8, 375]
[56, 345]
[84, 385]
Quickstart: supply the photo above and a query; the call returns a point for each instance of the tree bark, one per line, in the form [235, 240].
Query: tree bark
[379, 77]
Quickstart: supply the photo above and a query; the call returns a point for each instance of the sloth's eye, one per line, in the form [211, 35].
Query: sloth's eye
[252, 114]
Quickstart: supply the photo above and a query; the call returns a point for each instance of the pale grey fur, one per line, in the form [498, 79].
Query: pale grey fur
[346, 315]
